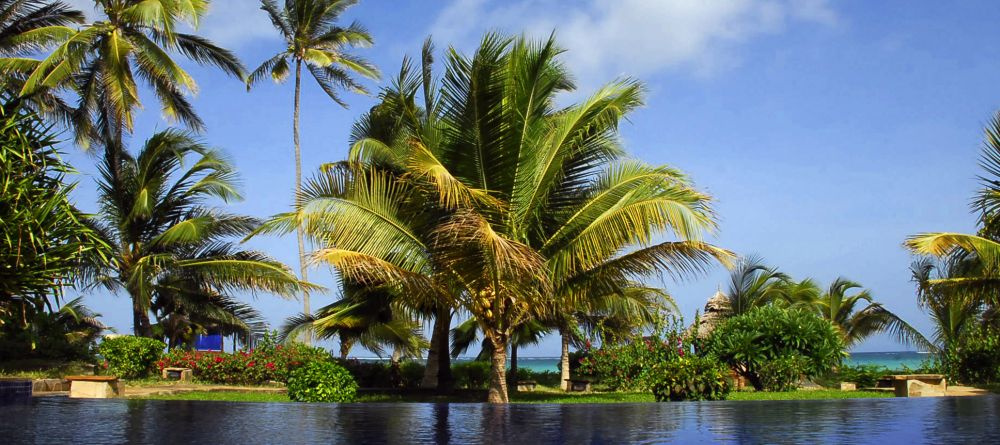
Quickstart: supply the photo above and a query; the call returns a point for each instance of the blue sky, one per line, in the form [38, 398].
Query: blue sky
[827, 131]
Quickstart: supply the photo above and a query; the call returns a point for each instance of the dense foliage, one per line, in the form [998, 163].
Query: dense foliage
[689, 378]
[45, 244]
[628, 366]
[471, 375]
[321, 381]
[130, 357]
[975, 357]
[773, 347]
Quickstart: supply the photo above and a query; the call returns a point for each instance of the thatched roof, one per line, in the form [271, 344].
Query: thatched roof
[714, 312]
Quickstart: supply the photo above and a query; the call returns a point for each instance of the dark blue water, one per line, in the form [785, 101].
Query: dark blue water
[873, 421]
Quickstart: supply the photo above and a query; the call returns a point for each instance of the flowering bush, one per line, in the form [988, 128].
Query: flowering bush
[250, 367]
[690, 378]
[628, 365]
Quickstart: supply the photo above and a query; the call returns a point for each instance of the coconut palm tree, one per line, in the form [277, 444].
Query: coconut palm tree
[172, 253]
[753, 284]
[28, 27]
[101, 62]
[313, 39]
[491, 199]
[858, 316]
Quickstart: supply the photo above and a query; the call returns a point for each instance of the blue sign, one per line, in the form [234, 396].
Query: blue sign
[212, 342]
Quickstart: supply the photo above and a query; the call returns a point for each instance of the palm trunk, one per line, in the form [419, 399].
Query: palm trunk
[345, 347]
[140, 322]
[439, 346]
[513, 366]
[498, 376]
[298, 189]
[564, 360]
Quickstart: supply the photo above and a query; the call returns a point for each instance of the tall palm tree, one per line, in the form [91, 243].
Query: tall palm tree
[858, 316]
[309, 29]
[172, 253]
[491, 199]
[753, 284]
[101, 61]
[28, 27]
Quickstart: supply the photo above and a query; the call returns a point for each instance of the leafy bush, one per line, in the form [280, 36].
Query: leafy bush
[773, 347]
[626, 366]
[689, 378]
[130, 357]
[975, 357]
[252, 367]
[864, 376]
[368, 373]
[322, 381]
[471, 375]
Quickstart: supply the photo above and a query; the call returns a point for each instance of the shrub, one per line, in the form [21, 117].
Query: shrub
[130, 357]
[864, 376]
[773, 347]
[626, 366]
[411, 374]
[975, 357]
[322, 381]
[690, 378]
[471, 375]
[250, 367]
[368, 373]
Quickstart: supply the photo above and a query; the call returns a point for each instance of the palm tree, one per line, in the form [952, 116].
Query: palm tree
[314, 40]
[858, 316]
[951, 309]
[173, 254]
[490, 199]
[374, 319]
[101, 61]
[753, 284]
[28, 27]
[983, 249]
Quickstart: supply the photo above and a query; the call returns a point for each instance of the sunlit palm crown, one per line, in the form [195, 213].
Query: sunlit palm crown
[489, 194]
[174, 255]
[101, 61]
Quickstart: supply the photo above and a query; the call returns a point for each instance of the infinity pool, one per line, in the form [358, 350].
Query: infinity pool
[874, 421]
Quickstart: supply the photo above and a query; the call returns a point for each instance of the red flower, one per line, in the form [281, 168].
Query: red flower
[251, 363]
[269, 366]
[218, 359]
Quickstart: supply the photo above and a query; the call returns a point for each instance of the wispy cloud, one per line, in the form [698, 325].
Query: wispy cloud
[229, 23]
[641, 37]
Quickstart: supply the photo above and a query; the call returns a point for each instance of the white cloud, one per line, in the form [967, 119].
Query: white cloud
[229, 23]
[609, 38]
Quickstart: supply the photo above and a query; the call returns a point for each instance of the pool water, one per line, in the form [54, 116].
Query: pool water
[872, 421]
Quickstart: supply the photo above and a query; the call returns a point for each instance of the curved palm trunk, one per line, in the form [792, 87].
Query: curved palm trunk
[498, 376]
[298, 189]
[140, 322]
[512, 376]
[345, 347]
[564, 360]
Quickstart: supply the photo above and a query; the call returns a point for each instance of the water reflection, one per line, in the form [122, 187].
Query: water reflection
[910, 421]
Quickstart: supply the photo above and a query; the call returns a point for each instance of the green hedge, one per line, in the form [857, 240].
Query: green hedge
[130, 357]
[689, 378]
[322, 382]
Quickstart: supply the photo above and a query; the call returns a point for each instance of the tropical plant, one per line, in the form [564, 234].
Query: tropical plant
[753, 284]
[974, 358]
[101, 61]
[173, 255]
[308, 28]
[951, 309]
[690, 378]
[45, 242]
[321, 381]
[858, 316]
[130, 357]
[28, 27]
[67, 333]
[773, 346]
[630, 365]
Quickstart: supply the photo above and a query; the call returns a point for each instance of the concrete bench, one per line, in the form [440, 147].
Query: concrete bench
[578, 385]
[94, 386]
[526, 385]
[182, 374]
[918, 385]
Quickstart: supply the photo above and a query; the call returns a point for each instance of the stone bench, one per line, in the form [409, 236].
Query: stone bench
[182, 374]
[94, 386]
[578, 385]
[526, 385]
[918, 385]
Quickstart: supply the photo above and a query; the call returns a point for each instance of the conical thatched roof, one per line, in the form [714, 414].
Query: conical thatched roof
[714, 313]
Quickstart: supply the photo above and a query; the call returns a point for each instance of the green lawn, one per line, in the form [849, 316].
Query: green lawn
[819, 394]
[225, 396]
